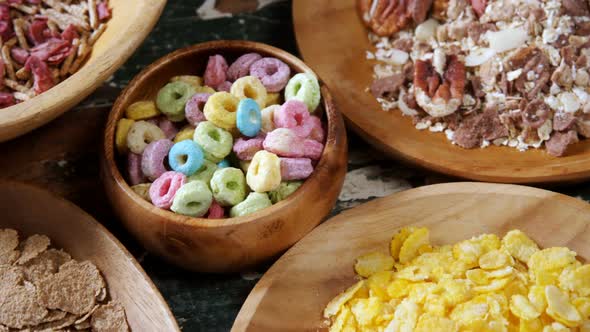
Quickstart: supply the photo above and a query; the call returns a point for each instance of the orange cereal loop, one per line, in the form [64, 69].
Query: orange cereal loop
[220, 110]
[142, 110]
[273, 98]
[123, 127]
[184, 134]
[195, 81]
[250, 87]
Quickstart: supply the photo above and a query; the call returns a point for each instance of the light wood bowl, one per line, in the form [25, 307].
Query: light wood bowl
[236, 243]
[333, 40]
[131, 22]
[292, 295]
[31, 210]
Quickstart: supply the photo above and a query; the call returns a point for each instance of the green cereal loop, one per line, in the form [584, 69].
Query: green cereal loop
[228, 186]
[285, 190]
[143, 190]
[205, 173]
[216, 142]
[244, 164]
[172, 99]
[304, 87]
[192, 199]
[252, 203]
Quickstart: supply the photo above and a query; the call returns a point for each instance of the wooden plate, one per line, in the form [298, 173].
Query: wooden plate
[30, 210]
[131, 22]
[291, 296]
[333, 42]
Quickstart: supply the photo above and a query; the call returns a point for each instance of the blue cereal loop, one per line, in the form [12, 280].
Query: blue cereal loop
[248, 117]
[186, 157]
[223, 164]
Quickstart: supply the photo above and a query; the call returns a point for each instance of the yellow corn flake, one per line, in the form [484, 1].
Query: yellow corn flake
[560, 308]
[378, 284]
[582, 304]
[533, 325]
[405, 317]
[537, 297]
[494, 259]
[398, 240]
[471, 311]
[142, 110]
[372, 263]
[494, 286]
[429, 323]
[412, 244]
[414, 273]
[501, 273]
[455, 291]
[419, 291]
[551, 259]
[556, 327]
[585, 327]
[334, 306]
[341, 320]
[519, 245]
[522, 308]
[546, 277]
[515, 287]
[581, 280]
[435, 305]
[366, 310]
[478, 276]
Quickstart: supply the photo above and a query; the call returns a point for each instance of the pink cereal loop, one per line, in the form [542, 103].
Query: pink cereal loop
[215, 74]
[164, 189]
[152, 161]
[295, 168]
[272, 72]
[312, 149]
[225, 86]
[317, 131]
[167, 127]
[216, 211]
[193, 109]
[241, 67]
[284, 143]
[245, 149]
[134, 169]
[294, 115]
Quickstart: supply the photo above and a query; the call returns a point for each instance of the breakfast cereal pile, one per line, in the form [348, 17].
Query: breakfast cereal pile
[44, 289]
[481, 284]
[224, 141]
[485, 72]
[42, 42]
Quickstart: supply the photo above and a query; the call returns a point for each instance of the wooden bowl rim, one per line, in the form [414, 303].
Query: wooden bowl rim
[58, 99]
[330, 109]
[102, 229]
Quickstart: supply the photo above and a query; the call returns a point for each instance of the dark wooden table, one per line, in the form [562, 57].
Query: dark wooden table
[63, 156]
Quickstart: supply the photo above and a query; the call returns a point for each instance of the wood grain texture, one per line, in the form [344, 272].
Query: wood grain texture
[236, 243]
[291, 296]
[332, 40]
[30, 210]
[131, 22]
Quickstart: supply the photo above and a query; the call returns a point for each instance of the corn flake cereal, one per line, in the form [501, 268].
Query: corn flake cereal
[480, 284]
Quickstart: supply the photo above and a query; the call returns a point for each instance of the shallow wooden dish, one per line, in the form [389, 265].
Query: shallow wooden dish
[333, 40]
[31, 210]
[131, 22]
[229, 244]
[292, 295]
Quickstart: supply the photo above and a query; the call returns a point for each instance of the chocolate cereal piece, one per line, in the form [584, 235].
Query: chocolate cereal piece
[73, 289]
[109, 318]
[19, 306]
[32, 247]
[8, 244]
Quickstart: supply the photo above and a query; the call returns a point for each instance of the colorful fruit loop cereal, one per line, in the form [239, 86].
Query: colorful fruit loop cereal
[201, 151]
[481, 284]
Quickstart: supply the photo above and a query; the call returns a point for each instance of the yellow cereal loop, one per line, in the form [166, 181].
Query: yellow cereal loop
[250, 87]
[123, 127]
[142, 110]
[272, 98]
[184, 134]
[221, 109]
[195, 81]
[264, 173]
[205, 89]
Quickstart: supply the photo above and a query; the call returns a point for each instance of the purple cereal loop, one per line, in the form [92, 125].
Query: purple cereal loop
[272, 72]
[225, 86]
[317, 131]
[134, 169]
[168, 128]
[284, 143]
[193, 110]
[312, 149]
[163, 190]
[152, 162]
[246, 148]
[295, 168]
[215, 72]
[294, 115]
[241, 67]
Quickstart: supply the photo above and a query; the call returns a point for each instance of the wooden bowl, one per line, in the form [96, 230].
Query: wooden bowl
[131, 22]
[31, 210]
[292, 295]
[236, 243]
[333, 40]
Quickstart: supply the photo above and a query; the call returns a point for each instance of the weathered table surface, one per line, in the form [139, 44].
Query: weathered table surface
[63, 156]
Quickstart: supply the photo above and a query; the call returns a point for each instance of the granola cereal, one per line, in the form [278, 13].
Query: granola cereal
[485, 72]
[42, 42]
